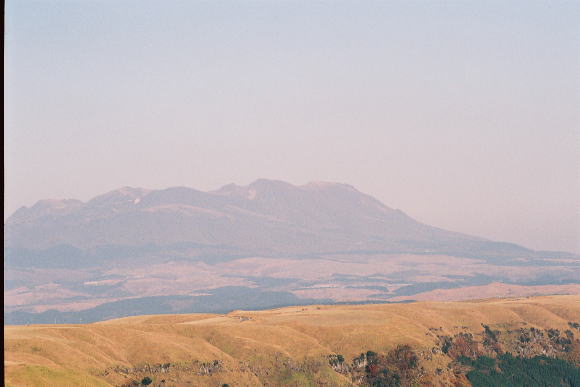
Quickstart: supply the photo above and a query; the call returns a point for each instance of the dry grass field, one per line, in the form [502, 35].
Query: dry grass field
[287, 346]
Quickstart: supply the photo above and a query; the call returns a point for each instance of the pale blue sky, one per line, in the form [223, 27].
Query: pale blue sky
[464, 114]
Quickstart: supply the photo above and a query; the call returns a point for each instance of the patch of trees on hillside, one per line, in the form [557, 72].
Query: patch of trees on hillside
[398, 367]
[526, 356]
[508, 370]
[522, 342]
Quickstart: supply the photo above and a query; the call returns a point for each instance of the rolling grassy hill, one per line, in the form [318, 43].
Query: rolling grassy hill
[289, 346]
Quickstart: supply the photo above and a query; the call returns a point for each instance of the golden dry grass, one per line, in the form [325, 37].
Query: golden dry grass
[61, 355]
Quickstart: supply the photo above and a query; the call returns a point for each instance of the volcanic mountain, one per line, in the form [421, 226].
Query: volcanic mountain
[265, 217]
[270, 243]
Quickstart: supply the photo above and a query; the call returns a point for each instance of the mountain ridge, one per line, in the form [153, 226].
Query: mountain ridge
[265, 206]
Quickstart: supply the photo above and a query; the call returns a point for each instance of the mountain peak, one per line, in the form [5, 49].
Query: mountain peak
[45, 207]
[55, 204]
[123, 194]
[270, 183]
[256, 187]
[129, 191]
[315, 185]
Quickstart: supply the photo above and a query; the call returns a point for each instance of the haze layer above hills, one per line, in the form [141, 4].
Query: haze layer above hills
[135, 251]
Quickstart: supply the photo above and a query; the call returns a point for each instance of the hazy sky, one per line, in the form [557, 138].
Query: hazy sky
[464, 114]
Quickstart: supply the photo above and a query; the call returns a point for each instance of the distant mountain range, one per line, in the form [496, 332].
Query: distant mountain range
[266, 217]
[318, 241]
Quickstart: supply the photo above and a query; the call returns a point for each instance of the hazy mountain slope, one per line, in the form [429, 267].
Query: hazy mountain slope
[291, 346]
[264, 217]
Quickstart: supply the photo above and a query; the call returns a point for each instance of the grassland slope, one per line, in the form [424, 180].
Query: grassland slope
[287, 346]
